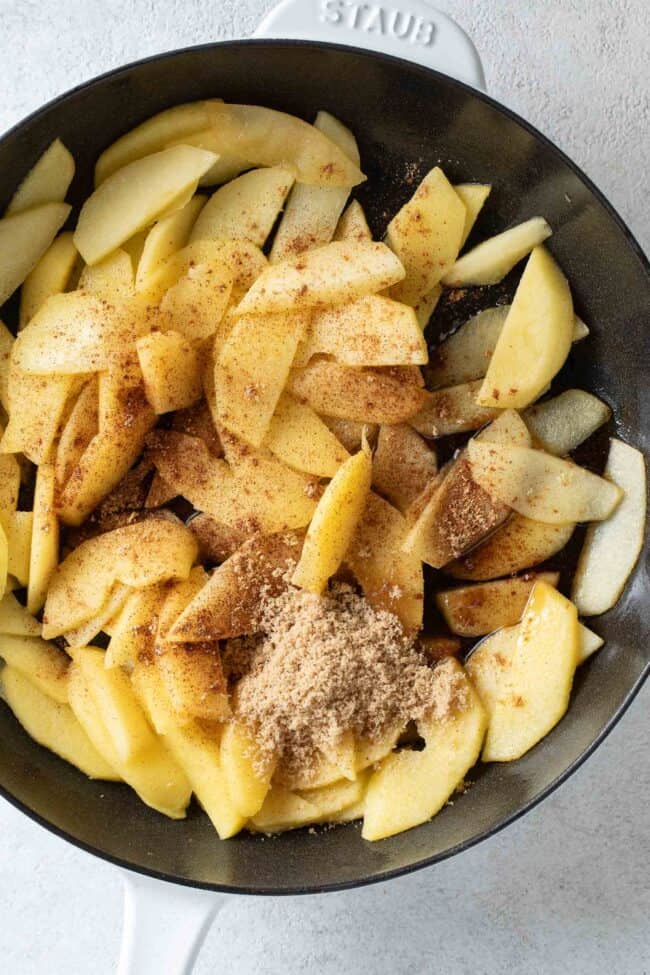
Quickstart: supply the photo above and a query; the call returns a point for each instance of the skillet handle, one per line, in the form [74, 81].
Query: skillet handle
[164, 926]
[409, 29]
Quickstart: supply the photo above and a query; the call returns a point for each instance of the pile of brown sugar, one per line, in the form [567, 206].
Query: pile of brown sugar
[326, 665]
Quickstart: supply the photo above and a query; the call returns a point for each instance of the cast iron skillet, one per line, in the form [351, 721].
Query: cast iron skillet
[400, 113]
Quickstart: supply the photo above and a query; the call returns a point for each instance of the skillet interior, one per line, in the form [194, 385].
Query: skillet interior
[401, 114]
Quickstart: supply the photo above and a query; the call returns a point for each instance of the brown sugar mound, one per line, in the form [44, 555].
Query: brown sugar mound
[327, 665]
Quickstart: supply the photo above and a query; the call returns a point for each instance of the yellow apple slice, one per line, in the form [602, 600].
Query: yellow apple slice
[353, 224]
[252, 369]
[334, 523]
[479, 609]
[453, 410]
[9, 488]
[167, 236]
[535, 339]
[426, 235]
[246, 208]
[44, 554]
[47, 181]
[134, 197]
[611, 549]
[489, 262]
[283, 810]
[50, 277]
[31, 429]
[238, 261]
[535, 692]
[298, 437]
[541, 486]
[561, 424]
[24, 239]
[337, 272]
[247, 785]
[371, 331]
[331, 800]
[517, 545]
[410, 787]
[365, 396]
[53, 725]
[312, 212]
[6, 345]
[43, 663]
[18, 529]
[110, 278]
[473, 195]
[16, 620]
[403, 465]
[79, 429]
[171, 370]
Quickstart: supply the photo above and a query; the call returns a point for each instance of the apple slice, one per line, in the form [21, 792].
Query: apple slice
[247, 785]
[51, 276]
[403, 464]
[535, 692]
[298, 437]
[426, 235]
[6, 344]
[410, 787]
[473, 196]
[453, 410]
[517, 545]
[476, 610]
[171, 370]
[47, 181]
[44, 554]
[338, 272]
[110, 278]
[31, 429]
[312, 212]
[138, 194]
[19, 529]
[167, 236]
[42, 663]
[334, 522]
[24, 238]
[245, 208]
[535, 339]
[15, 619]
[561, 424]
[353, 224]
[489, 262]
[541, 486]
[612, 548]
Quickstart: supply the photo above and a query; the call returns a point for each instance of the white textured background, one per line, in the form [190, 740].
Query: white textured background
[565, 890]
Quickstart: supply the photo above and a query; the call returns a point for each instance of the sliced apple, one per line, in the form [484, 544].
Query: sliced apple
[561, 424]
[353, 224]
[334, 523]
[81, 425]
[18, 530]
[371, 331]
[171, 370]
[239, 262]
[283, 810]
[138, 194]
[476, 610]
[425, 306]
[247, 785]
[612, 548]
[6, 345]
[338, 761]
[252, 369]
[24, 239]
[51, 276]
[473, 196]
[312, 212]
[15, 619]
[517, 545]
[410, 787]
[391, 578]
[44, 555]
[338, 272]
[351, 432]
[389, 395]
[489, 262]
[298, 437]
[47, 181]
[9, 488]
[246, 208]
[402, 465]
[43, 663]
[167, 236]
[110, 278]
[53, 725]
[453, 410]
[426, 235]
[541, 486]
[535, 339]
[31, 429]
[535, 692]
[465, 355]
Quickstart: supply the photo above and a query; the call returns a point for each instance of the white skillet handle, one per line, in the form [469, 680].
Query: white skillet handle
[164, 926]
[409, 29]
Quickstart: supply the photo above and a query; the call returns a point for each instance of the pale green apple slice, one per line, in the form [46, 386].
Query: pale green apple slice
[612, 548]
[541, 486]
[489, 262]
[246, 208]
[473, 195]
[47, 181]
[561, 424]
[24, 238]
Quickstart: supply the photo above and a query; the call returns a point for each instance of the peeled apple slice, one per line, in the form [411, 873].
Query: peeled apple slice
[540, 486]
[535, 339]
[47, 181]
[561, 424]
[24, 238]
[473, 195]
[535, 691]
[135, 196]
[489, 262]
[612, 548]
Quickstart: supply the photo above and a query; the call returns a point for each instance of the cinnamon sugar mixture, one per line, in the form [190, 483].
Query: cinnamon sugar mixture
[326, 665]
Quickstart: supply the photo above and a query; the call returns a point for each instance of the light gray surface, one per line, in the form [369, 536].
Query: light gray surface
[566, 889]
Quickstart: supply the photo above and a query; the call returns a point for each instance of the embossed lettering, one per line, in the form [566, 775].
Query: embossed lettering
[400, 25]
[425, 33]
[375, 22]
[331, 11]
[357, 9]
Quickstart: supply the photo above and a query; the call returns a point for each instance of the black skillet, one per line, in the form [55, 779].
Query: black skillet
[401, 114]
